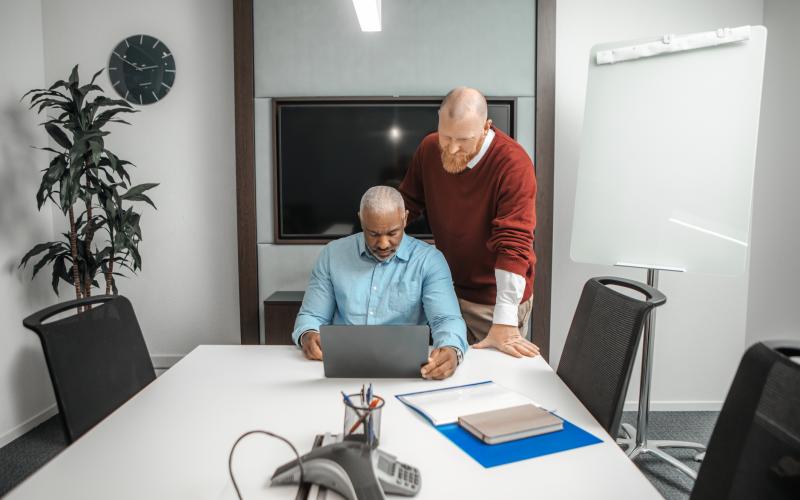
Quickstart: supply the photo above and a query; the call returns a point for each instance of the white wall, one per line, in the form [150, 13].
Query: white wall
[187, 293]
[700, 333]
[772, 309]
[25, 393]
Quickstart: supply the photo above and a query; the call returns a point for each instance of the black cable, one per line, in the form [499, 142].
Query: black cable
[267, 433]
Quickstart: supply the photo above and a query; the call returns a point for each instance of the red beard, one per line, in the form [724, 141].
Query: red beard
[454, 163]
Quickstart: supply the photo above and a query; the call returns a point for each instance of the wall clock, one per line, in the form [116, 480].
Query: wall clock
[141, 69]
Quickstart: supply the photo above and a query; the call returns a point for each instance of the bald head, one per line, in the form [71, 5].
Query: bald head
[464, 102]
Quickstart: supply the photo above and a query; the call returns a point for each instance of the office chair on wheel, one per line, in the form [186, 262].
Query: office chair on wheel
[754, 450]
[97, 358]
[601, 346]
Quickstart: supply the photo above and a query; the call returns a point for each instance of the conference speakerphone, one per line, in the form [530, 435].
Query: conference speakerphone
[353, 470]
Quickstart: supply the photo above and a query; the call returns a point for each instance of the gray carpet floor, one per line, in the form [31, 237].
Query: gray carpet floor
[26, 454]
[23, 456]
[695, 426]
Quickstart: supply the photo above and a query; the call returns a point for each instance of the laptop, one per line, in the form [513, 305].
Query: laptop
[371, 351]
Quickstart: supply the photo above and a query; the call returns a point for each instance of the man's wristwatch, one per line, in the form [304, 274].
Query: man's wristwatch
[459, 354]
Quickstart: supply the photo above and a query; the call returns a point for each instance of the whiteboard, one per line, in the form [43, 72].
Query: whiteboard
[668, 148]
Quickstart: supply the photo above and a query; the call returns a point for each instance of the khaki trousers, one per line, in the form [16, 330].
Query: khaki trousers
[478, 318]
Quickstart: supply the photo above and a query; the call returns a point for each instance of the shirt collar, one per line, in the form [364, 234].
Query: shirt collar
[403, 251]
[486, 143]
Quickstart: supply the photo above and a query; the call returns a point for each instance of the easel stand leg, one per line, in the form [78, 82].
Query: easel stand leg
[635, 442]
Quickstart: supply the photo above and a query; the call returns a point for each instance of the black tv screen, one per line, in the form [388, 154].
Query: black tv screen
[329, 152]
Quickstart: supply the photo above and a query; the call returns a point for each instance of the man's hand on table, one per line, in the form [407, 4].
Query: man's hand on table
[312, 348]
[507, 339]
[441, 364]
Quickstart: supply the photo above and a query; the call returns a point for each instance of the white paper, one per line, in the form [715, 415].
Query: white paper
[444, 406]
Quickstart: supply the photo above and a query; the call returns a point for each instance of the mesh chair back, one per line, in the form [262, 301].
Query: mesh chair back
[598, 355]
[97, 359]
[754, 451]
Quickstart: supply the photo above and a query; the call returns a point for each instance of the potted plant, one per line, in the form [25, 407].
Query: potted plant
[90, 185]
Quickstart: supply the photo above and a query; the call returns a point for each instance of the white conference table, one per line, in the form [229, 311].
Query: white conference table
[172, 439]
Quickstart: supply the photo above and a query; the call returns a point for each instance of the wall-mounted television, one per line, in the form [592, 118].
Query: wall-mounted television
[329, 151]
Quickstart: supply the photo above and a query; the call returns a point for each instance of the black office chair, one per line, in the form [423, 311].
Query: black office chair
[754, 451]
[97, 359]
[598, 355]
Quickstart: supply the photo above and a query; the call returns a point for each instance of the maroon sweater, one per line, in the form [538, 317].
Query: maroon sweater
[482, 218]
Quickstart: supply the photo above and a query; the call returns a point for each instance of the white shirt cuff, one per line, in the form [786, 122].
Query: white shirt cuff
[510, 289]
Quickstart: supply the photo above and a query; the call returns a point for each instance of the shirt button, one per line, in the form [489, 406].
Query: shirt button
[371, 312]
[374, 287]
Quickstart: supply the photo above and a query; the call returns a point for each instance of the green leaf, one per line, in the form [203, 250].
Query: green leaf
[58, 135]
[26, 94]
[54, 172]
[94, 77]
[88, 88]
[68, 193]
[97, 149]
[73, 76]
[49, 149]
[139, 189]
[42, 194]
[105, 101]
[46, 93]
[76, 153]
[58, 84]
[51, 254]
[142, 197]
[59, 272]
[41, 247]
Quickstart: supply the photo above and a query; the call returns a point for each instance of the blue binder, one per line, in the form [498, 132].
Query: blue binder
[492, 455]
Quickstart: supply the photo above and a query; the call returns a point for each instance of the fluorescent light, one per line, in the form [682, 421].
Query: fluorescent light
[369, 14]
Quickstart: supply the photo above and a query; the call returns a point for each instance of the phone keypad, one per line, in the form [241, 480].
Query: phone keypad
[408, 476]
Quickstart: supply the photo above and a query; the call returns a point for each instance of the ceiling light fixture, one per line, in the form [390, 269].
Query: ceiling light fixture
[369, 14]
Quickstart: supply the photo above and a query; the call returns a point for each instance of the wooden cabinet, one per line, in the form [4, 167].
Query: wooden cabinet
[280, 311]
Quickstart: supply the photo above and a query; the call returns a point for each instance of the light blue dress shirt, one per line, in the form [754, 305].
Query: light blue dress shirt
[349, 286]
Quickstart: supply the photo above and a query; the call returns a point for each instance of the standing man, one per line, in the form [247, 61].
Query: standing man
[477, 187]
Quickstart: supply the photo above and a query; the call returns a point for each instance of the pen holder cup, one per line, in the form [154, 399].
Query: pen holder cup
[362, 422]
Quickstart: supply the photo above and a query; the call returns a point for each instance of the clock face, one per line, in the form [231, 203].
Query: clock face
[141, 69]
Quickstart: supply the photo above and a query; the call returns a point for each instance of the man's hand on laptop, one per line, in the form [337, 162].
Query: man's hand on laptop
[442, 362]
[312, 348]
[507, 339]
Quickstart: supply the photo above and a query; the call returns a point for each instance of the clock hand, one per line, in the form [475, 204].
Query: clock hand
[128, 62]
[149, 67]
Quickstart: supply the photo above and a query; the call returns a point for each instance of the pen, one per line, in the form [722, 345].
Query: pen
[368, 423]
[346, 399]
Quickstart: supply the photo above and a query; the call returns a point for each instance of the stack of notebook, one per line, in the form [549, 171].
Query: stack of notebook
[508, 424]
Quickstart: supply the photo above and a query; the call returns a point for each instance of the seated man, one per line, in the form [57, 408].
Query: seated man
[381, 276]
